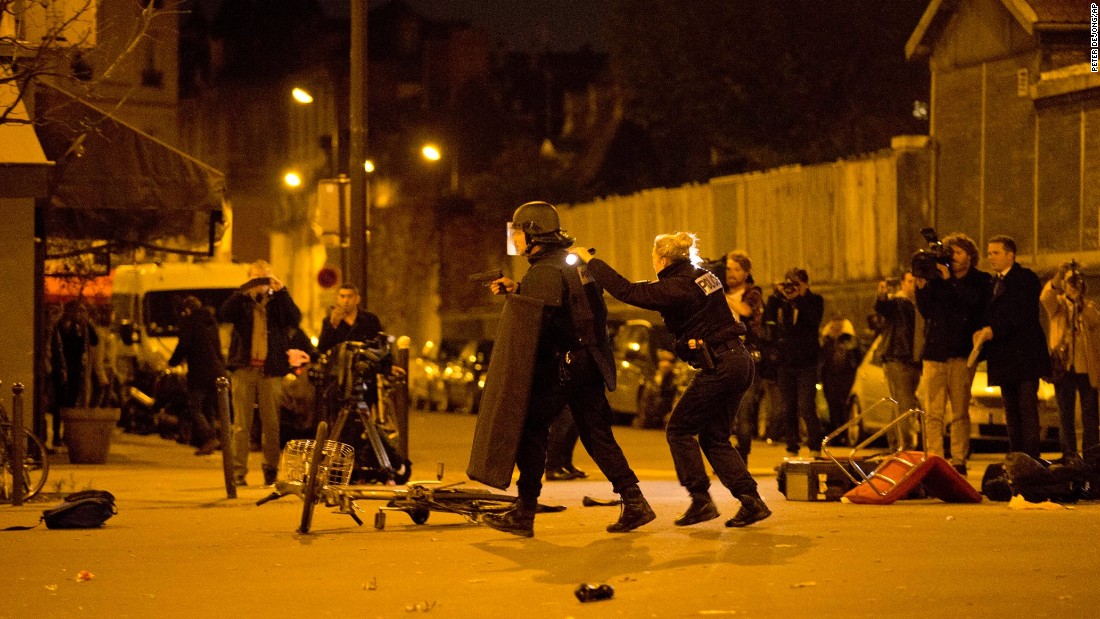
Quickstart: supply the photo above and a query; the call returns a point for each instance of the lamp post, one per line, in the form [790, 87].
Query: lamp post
[431, 152]
[359, 219]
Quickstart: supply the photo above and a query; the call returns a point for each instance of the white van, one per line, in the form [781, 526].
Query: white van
[145, 300]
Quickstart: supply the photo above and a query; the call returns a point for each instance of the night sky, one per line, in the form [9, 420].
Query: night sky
[566, 25]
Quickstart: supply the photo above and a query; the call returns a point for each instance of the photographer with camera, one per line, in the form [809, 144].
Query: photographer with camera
[902, 341]
[262, 314]
[690, 301]
[795, 314]
[951, 295]
[1074, 342]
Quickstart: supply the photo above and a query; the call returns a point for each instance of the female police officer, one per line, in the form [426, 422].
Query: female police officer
[691, 302]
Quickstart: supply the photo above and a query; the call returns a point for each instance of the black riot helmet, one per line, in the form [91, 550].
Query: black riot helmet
[539, 222]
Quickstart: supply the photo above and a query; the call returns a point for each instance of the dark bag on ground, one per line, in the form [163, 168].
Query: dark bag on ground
[1061, 482]
[86, 509]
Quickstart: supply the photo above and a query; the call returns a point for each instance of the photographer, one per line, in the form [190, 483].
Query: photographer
[951, 299]
[262, 314]
[347, 322]
[795, 314]
[695, 311]
[1075, 354]
[902, 341]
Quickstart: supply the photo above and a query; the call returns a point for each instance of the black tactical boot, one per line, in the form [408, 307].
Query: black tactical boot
[701, 509]
[269, 475]
[636, 511]
[520, 520]
[753, 509]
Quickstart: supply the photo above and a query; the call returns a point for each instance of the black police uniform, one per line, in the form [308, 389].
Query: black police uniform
[572, 360]
[691, 302]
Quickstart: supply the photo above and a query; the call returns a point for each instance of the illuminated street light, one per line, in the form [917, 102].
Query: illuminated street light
[368, 165]
[431, 152]
[301, 96]
[292, 179]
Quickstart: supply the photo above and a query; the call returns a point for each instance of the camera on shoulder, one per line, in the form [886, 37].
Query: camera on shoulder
[925, 261]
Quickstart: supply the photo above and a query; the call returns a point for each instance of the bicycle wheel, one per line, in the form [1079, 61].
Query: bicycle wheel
[471, 502]
[311, 485]
[35, 469]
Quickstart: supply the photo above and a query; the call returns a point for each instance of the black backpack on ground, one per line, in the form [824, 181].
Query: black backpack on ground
[87, 509]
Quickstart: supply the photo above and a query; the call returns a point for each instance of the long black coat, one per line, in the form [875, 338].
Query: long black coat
[1018, 350]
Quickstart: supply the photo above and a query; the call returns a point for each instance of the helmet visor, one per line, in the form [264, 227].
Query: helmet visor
[511, 243]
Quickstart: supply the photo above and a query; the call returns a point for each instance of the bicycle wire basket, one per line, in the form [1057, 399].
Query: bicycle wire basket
[337, 461]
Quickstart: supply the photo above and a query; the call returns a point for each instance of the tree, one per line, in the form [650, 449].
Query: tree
[725, 87]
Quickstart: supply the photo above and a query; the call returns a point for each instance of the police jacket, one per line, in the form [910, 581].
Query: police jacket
[899, 342]
[282, 315]
[574, 314]
[689, 299]
[797, 322]
[200, 346]
[952, 310]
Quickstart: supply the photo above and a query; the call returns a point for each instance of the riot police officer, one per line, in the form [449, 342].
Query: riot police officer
[691, 302]
[573, 362]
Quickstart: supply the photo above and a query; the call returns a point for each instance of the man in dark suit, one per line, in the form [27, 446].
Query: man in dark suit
[1014, 344]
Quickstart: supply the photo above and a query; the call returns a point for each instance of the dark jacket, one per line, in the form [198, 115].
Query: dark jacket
[282, 314]
[952, 310]
[898, 334]
[201, 348]
[797, 322]
[367, 327]
[569, 322]
[689, 299]
[1018, 350]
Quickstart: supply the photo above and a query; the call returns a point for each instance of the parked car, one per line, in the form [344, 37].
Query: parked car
[426, 388]
[650, 377]
[987, 414]
[464, 376]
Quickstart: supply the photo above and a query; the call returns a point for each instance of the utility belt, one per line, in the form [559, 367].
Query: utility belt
[707, 355]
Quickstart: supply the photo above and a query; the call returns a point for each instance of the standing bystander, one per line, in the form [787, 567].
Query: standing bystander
[1074, 341]
[746, 301]
[902, 341]
[1013, 343]
[200, 347]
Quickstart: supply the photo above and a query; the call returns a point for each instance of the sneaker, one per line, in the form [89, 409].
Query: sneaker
[753, 509]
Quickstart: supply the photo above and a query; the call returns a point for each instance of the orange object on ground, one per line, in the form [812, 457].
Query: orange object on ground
[900, 474]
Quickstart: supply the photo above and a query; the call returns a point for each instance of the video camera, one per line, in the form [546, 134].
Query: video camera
[925, 261]
[353, 367]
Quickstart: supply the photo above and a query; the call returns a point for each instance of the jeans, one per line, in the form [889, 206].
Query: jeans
[798, 393]
[706, 411]
[747, 417]
[902, 379]
[1066, 392]
[202, 404]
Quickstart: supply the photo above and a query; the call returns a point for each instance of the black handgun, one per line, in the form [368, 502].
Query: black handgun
[487, 277]
[706, 359]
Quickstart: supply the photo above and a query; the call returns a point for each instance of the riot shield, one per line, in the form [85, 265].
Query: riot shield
[507, 389]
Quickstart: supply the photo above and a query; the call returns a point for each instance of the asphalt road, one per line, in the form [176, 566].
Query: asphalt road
[179, 548]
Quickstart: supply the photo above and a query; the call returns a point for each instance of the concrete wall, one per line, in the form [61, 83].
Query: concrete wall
[17, 299]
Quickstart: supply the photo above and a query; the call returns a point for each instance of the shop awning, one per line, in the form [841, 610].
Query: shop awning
[117, 183]
[24, 169]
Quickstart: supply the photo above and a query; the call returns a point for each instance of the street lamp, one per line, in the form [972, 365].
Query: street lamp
[292, 179]
[431, 152]
[301, 96]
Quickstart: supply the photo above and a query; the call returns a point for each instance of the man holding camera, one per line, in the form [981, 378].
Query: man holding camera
[262, 314]
[902, 341]
[1014, 344]
[347, 322]
[796, 314]
[951, 299]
